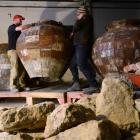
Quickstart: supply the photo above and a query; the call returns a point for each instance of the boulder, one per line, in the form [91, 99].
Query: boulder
[7, 136]
[137, 104]
[91, 130]
[137, 72]
[136, 137]
[29, 136]
[115, 102]
[67, 116]
[28, 117]
[88, 102]
[21, 136]
[138, 65]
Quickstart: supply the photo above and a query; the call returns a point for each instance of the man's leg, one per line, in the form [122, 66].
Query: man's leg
[22, 76]
[21, 73]
[82, 54]
[12, 55]
[74, 69]
[75, 74]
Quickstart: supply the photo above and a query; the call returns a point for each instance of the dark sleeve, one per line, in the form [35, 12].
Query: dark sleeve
[79, 24]
[12, 29]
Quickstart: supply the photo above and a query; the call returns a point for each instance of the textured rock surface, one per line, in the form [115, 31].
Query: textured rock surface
[137, 137]
[88, 102]
[137, 104]
[21, 136]
[29, 136]
[67, 116]
[4, 68]
[92, 130]
[30, 117]
[137, 72]
[116, 104]
[6, 136]
[138, 65]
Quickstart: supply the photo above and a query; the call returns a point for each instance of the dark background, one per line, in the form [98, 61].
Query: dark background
[79, 0]
[104, 11]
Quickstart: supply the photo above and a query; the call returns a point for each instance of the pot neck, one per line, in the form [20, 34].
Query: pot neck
[122, 24]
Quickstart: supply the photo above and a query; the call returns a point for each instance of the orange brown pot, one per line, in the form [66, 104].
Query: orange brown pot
[45, 50]
[119, 46]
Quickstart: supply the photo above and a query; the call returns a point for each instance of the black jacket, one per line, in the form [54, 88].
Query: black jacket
[83, 31]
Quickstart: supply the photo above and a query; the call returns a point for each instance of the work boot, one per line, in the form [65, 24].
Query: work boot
[14, 90]
[91, 90]
[74, 87]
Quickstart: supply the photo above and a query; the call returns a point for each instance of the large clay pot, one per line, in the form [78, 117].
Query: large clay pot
[118, 47]
[45, 50]
[4, 68]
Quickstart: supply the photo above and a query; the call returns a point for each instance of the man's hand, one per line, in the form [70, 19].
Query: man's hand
[80, 16]
[71, 35]
[38, 23]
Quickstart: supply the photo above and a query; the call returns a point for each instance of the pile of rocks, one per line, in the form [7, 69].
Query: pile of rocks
[20, 121]
[110, 115]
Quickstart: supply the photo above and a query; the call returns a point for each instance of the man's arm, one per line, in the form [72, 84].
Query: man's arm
[24, 27]
[79, 24]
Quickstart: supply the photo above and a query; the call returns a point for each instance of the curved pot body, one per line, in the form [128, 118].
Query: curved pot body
[118, 47]
[45, 50]
[4, 68]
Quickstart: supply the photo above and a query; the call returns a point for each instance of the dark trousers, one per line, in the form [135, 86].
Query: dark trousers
[81, 59]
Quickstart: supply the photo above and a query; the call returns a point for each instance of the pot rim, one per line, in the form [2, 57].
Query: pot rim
[123, 23]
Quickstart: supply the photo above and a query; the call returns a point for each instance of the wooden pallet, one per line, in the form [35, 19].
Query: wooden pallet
[62, 97]
[52, 92]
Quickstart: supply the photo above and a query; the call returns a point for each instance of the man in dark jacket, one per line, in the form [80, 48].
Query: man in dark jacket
[83, 36]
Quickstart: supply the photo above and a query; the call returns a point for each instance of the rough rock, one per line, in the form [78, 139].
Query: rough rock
[28, 117]
[138, 65]
[137, 104]
[135, 68]
[130, 68]
[115, 103]
[7, 136]
[29, 136]
[21, 136]
[88, 102]
[136, 137]
[91, 130]
[67, 116]
[137, 72]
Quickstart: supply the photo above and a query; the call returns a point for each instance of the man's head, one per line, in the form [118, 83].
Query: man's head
[82, 11]
[17, 19]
